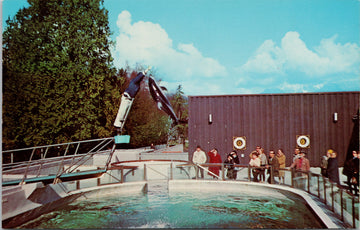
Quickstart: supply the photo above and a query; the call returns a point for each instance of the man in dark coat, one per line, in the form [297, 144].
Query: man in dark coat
[274, 163]
[356, 173]
[229, 165]
[333, 168]
[348, 171]
[237, 161]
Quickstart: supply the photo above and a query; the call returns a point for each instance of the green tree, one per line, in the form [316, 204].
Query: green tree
[180, 105]
[57, 71]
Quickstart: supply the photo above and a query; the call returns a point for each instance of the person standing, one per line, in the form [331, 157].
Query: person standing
[348, 171]
[324, 162]
[263, 164]
[296, 154]
[356, 173]
[229, 165]
[236, 161]
[214, 158]
[301, 163]
[199, 157]
[333, 168]
[274, 164]
[282, 161]
[255, 162]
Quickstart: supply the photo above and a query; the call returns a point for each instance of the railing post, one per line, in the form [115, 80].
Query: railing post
[197, 169]
[77, 182]
[341, 204]
[308, 184]
[98, 179]
[292, 177]
[318, 179]
[171, 171]
[122, 173]
[324, 190]
[12, 158]
[222, 171]
[271, 175]
[353, 211]
[249, 173]
[332, 196]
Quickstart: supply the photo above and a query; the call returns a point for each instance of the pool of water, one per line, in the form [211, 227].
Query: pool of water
[161, 209]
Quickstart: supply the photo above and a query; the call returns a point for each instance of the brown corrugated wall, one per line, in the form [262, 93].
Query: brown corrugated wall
[273, 121]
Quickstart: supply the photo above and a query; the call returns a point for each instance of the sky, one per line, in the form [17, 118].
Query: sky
[221, 47]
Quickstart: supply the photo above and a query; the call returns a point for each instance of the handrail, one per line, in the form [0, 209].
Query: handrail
[312, 183]
[55, 145]
[208, 171]
[60, 171]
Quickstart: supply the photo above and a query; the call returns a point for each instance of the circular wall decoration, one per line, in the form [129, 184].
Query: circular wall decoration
[239, 143]
[303, 141]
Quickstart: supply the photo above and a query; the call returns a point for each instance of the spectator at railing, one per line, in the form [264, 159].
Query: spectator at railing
[324, 162]
[199, 157]
[333, 167]
[237, 161]
[301, 162]
[296, 154]
[255, 162]
[282, 160]
[349, 171]
[274, 164]
[229, 165]
[263, 163]
[356, 173]
[214, 157]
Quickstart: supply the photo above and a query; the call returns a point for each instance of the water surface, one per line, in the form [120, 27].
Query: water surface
[182, 210]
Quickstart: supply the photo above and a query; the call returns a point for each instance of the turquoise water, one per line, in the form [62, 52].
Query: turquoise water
[182, 210]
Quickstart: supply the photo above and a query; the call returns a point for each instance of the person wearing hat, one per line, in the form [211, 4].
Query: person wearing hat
[324, 162]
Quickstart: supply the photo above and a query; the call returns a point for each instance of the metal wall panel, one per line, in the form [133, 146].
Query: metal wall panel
[273, 121]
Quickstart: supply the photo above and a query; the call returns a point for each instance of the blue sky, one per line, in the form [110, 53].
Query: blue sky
[216, 47]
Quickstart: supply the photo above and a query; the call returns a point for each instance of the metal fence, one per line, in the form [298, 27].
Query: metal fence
[52, 161]
[337, 198]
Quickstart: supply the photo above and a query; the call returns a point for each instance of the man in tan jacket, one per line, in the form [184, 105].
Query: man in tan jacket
[199, 157]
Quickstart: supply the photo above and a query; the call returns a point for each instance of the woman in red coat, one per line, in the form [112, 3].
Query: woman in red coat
[214, 157]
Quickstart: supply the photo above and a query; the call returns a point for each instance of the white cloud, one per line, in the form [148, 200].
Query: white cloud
[149, 44]
[293, 88]
[267, 59]
[293, 55]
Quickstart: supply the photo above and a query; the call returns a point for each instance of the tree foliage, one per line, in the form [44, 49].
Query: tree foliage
[180, 105]
[59, 83]
[57, 71]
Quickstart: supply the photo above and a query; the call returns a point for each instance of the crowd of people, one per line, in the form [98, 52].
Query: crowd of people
[258, 159]
[260, 162]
